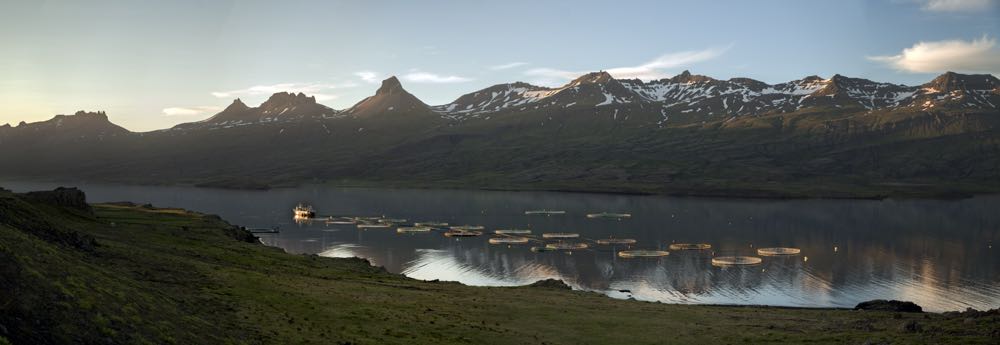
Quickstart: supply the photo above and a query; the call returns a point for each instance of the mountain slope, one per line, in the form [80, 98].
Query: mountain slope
[688, 134]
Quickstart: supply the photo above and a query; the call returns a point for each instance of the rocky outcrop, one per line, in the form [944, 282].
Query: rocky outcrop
[893, 305]
[62, 197]
[551, 284]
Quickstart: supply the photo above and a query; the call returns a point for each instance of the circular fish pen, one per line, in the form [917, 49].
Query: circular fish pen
[340, 221]
[560, 235]
[392, 220]
[566, 246]
[379, 225]
[512, 232]
[543, 212]
[431, 224]
[509, 240]
[633, 254]
[778, 251]
[468, 227]
[735, 261]
[609, 215]
[615, 241]
[462, 233]
[690, 246]
[413, 229]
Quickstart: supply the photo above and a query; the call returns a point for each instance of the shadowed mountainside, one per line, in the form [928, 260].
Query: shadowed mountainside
[687, 135]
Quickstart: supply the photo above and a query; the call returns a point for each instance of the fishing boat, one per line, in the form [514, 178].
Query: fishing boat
[304, 211]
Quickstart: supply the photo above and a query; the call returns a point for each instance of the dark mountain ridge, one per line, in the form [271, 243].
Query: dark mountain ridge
[688, 134]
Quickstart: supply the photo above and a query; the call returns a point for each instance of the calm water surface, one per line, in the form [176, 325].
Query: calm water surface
[941, 254]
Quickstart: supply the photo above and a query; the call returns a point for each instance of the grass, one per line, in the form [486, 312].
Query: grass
[168, 276]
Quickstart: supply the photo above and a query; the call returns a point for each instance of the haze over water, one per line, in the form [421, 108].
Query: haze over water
[940, 254]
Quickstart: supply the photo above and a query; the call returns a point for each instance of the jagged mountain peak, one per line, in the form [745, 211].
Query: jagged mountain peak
[600, 77]
[951, 81]
[390, 86]
[390, 98]
[283, 99]
[687, 77]
[237, 105]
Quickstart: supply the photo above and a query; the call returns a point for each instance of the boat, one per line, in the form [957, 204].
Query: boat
[304, 211]
[544, 212]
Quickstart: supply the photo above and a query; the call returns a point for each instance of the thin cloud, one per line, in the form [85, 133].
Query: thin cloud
[191, 111]
[424, 77]
[957, 5]
[980, 55]
[654, 69]
[368, 76]
[508, 66]
[316, 89]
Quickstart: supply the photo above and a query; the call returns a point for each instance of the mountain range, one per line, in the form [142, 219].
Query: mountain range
[688, 134]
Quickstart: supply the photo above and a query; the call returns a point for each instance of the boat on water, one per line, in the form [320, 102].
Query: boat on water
[303, 211]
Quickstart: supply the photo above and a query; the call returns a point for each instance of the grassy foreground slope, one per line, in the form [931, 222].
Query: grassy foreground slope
[127, 274]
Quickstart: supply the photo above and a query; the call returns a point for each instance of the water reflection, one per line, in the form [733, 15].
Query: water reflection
[936, 253]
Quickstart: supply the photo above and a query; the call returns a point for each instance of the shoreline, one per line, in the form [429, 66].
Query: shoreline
[734, 193]
[110, 266]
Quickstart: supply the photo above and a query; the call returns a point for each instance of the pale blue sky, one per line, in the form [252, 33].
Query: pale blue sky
[154, 64]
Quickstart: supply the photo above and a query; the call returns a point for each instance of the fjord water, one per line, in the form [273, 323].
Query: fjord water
[941, 254]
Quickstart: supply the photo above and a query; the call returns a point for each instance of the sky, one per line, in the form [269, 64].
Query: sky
[153, 64]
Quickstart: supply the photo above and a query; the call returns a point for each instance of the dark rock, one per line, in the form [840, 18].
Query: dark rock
[551, 284]
[911, 327]
[62, 197]
[893, 305]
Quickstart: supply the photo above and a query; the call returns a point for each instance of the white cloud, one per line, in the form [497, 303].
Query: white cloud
[508, 66]
[654, 69]
[368, 76]
[191, 111]
[957, 5]
[306, 88]
[980, 55]
[424, 77]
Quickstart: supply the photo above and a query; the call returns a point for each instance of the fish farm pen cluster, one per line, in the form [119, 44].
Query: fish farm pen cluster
[547, 241]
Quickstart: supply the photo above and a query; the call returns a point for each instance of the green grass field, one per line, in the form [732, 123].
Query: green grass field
[127, 274]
